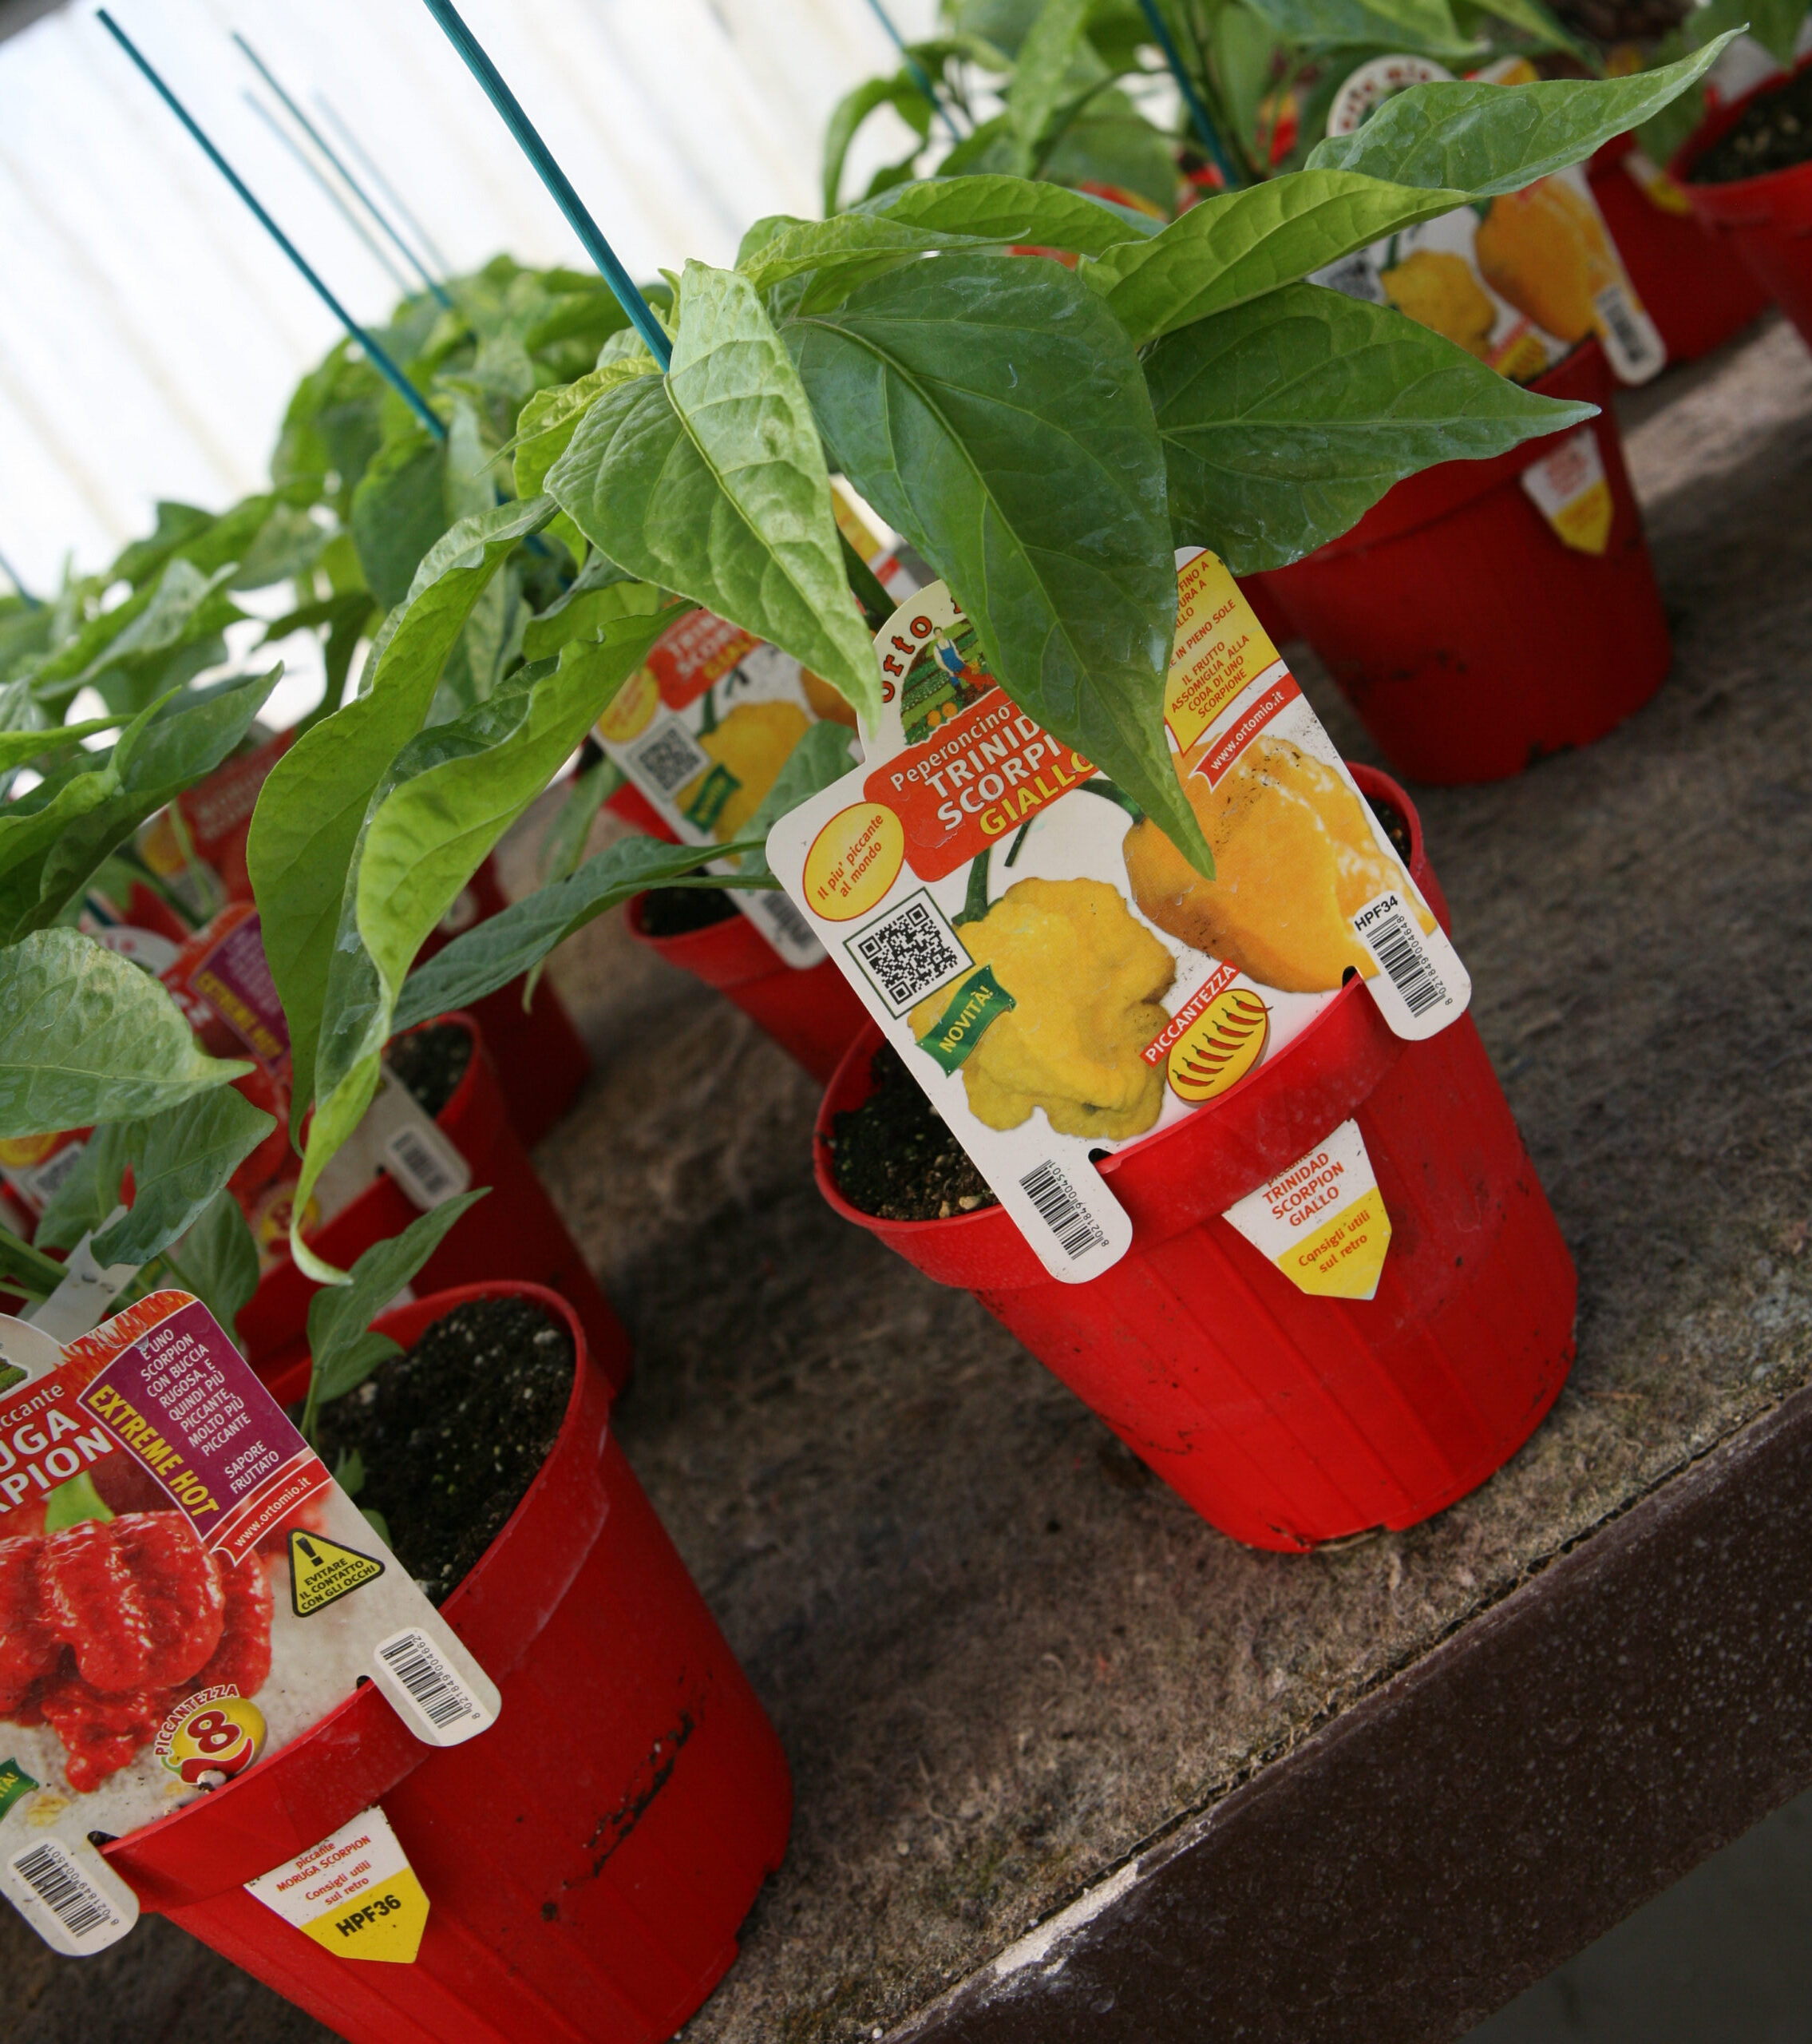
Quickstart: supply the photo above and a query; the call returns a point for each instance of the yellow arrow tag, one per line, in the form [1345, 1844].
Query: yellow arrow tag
[354, 1893]
[322, 1571]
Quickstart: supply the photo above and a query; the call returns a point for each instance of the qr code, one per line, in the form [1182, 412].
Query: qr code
[669, 758]
[910, 953]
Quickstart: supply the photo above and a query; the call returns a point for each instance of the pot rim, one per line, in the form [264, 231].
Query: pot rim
[1715, 126]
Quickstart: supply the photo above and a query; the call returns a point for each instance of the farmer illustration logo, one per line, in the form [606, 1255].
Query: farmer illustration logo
[946, 676]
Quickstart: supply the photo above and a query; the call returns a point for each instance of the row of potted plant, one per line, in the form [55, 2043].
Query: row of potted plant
[1044, 437]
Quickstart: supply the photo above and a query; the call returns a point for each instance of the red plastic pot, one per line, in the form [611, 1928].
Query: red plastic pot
[589, 1860]
[1766, 221]
[541, 1060]
[812, 1014]
[1470, 639]
[1695, 289]
[514, 1234]
[1285, 1420]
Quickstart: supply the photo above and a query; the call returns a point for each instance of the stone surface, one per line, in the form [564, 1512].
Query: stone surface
[1002, 1659]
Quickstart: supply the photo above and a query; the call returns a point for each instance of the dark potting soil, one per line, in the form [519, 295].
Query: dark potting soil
[431, 1063]
[896, 1157]
[1774, 134]
[678, 911]
[1395, 829]
[452, 1433]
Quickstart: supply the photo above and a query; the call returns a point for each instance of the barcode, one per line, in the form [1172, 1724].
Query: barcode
[1062, 1212]
[60, 1885]
[787, 920]
[435, 1690]
[1400, 951]
[433, 1182]
[669, 757]
[910, 952]
[1629, 334]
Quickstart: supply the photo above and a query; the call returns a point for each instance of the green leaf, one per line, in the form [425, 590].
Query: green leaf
[1239, 244]
[178, 525]
[312, 808]
[820, 757]
[1484, 140]
[398, 511]
[352, 1366]
[170, 747]
[711, 480]
[69, 1503]
[494, 952]
[899, 91]
[1423, 27]
[1042, 75]
[180, 1159]
[339, 1316]
[89, 1191]
[183, 609]
[85, 1037]
[1545, 28]
[1107, 141]
[1287, 418]
[550, 419]
[852, 246]
[994, 207]
[218, 1260]
[449, 798]
[19, 748]
[955, 394]
[564, 845]
[24, 1268]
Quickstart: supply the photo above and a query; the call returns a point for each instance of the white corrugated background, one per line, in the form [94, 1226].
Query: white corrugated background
[150, 334]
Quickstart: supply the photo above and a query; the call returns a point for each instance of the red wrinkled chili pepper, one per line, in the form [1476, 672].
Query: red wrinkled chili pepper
[108, 1623]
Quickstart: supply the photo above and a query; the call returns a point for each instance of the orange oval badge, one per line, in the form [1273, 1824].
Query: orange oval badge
[853, 861]
[1219, 1046]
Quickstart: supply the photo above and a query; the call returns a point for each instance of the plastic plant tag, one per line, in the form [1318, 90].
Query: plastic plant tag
[1570, 489]
[396, 1134]
[1052, 972]
[355, 1893]
[87, 1289]
[704, 728]
[1322, 1222]
[187, 1590]
[1662, 191]
[1519, 280]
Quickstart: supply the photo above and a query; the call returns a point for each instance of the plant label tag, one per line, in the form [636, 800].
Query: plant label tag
[396, 1135]
[1662, 191]
[161, 1640]
[88, 1288]
[1052, 972]
[355, 1893]
[1322, 1222]
[68, 1895]
[1570, 489]
[26, 1351]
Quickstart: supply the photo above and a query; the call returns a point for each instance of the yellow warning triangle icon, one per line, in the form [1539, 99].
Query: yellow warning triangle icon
[322, 1571]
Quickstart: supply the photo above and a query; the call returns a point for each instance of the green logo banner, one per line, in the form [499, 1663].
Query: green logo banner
[978, 1001]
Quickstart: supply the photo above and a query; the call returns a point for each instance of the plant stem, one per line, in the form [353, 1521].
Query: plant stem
[975, 904]
[877, 606]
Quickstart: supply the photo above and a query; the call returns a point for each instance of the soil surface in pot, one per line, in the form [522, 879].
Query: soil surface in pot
[431, 1063]
[453, 1432]
[1774, 134]
[678, 911]
[896, 1156]
[1395, 829]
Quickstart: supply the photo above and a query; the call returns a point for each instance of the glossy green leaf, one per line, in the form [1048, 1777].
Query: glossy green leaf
[1106, 140]
[563, 846]
[1042, 76]
[515, 941]
[1544, 27]
[449, 797]
[820, 757]
[852, 245]
[85, 1037]
[577, 612]
[994, 207]
[1424, 27]
[88, 1191]
[994, 412]
[1287, 418]
[352, 1366]
[312, 808]
[1483, 140]
[1239, 245]
[711, 480]
[183, 608]
[218, 1260]
[171, 746]
[548, 421]
[340, 1317]
[847, 116]
[398, 512]
[180, 1159]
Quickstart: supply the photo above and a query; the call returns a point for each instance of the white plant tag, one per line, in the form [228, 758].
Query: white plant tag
[429, 1694]
[1421, 985]
[1570, 489]
[69, 1896]
[355, 1893]
[88, 1289]
[1322, 1222]
[1632, 339]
